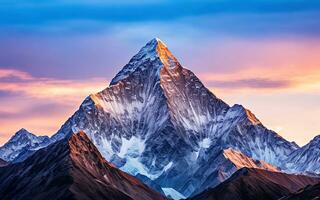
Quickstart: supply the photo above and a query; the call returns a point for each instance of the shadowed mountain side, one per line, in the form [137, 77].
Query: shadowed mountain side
[3, 163]
[252, 184]
[70, 169]
[309, 192]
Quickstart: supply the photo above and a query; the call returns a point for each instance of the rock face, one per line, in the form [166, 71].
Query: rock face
[252, 184]
[71, 168]
[21, 145]
[240, 161]
[305, 159]
[157, 120]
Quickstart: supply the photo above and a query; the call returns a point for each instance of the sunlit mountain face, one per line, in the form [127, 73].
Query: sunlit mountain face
[160, 132]
[94, 105]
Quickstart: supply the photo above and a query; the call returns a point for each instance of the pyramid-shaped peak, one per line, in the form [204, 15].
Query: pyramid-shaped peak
[155, 48]
[154, 54]
[22, 133]
[155, 42]
[315, 141]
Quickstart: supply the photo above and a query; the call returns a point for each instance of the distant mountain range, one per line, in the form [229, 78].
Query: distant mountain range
[159, 123]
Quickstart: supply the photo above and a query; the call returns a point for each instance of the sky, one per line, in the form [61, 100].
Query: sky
[263, 54]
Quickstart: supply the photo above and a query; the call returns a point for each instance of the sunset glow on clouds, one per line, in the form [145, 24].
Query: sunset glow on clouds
[40, 104]
[22, 83]
[262, 54]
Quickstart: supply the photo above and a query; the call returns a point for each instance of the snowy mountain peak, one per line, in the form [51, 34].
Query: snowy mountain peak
[163, 53]
[20, 143]
[155, 42]
[154, 54]
[22, 133]
[22, 130]
[315, 140]
[156, 39]
[305, 159]
[314, 143]
[241, 112]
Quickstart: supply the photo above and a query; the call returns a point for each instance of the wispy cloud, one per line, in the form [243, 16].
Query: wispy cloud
[264, 80]
[22, 83]
[259, 83]
[12, 73]
[40, 104]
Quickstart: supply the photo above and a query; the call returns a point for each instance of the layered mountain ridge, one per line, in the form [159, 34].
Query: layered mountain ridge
[158, 122]
[71, 168]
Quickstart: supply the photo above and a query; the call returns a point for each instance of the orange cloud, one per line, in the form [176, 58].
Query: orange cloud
[48, 88]
[268, 65]
[39, 104]
[265, 79]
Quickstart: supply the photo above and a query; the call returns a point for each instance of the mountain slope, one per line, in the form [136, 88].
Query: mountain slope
[70, 169]
[252, 184]
[3, 163]
[157, 118]
[305, 159]
[309, 192]
[226, 162]
[240, 161]
[20, 143]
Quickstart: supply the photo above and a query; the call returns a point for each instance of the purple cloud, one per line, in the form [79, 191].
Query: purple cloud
[251, 83]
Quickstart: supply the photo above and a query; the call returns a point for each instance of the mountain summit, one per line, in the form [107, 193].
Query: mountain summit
[21, 143]
[157, 121]
[305, 159]
[155, 52]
